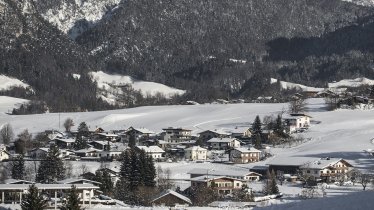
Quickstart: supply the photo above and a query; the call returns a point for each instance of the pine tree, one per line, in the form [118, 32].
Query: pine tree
[33, 200]
[18, 168]
[51, 168]
[150, 173]
[83, 129]
[80, 142]
[278, 127]
[132, 141]
[106, 183]
[257, 126]
[72, 200]
[258, 143]
[273, 188]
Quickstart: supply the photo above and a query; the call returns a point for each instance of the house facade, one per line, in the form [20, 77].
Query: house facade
[4, 155]
[242, 174]
[222, 184]
[209, 134]
[326, 169]
[141, 135]
[155, 151]
[195, 153]
[296, 122]
[224, 143]
[176, 135]
[170, 198]
[245, 155]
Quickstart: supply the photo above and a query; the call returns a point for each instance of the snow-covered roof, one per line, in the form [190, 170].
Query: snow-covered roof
[73, 180]
[176, 129]
[246, 150]
[88, 150]
[240, 130]
[17, 181]
[217, 131]
[151, 149]
[231, 173]
[323, 163]
[108, 134]
[294, 161]
[141, 130]
[221, 140]
[180, 196]
[196, 148]
[208, 178]
[65, 140]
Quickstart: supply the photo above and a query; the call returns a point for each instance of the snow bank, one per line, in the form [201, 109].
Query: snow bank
[7, 83]
[290, 85]
[362, 2]
[351, 82]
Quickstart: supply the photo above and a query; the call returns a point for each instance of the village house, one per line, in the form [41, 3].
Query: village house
[295, 122]
[4, 154]
[73, 181]
[326, 169]
[204, 136]
[170, 198]
[245, 155]
[240, 132]
[195, 153]
[141, 135]
[176, 135]
[113, 152]
[154, 151]
[238, 174]
[64, 143]
[106, 137]
[88, 154]
[38, 153]
[223, 143]
[113, 173]
[222, 184]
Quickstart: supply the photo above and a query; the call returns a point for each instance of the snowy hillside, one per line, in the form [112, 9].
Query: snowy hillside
[362, 2]
[290, 85]
[351, 82]
[112, 83]
[8, 103]
[69, 13]
[8, 82]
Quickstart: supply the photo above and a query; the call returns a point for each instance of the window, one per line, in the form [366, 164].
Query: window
[237, 184]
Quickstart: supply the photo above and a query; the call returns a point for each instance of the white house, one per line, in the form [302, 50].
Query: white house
[326, 168]
[245, 155]
[155, 151]
[195, 153]
[224, 143]
[176, 135]
[295, 122]
[4, 155]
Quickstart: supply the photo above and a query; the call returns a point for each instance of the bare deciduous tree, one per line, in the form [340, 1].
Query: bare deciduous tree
[364, 180]
[163, 179]
[68, 124]
[6, 134]
[296, 105]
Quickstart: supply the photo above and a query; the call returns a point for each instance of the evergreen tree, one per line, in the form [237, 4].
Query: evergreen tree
[51, 168]
[257, 126]
[33, 200]
[18, 168]
[278, 127]
[132, 141]
[72, 200]
[106, 183]
[83, 129]
[258, 144]
[150, 172]
[273, 188]
[80, 142]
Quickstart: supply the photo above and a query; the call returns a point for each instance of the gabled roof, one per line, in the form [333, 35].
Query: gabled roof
[208, 178]
[65, 140]
[177, 129]
[217, 131]
[196, 148]
[87, 150]
[108, 134]
[221, 140]
[74, 181]
[171, 192]
[141, 130]
[246, 150]
[324, 163]
[151, 149]
[17, 181]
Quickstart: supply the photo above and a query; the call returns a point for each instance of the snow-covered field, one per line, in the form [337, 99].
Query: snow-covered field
[341, 134]
[290, 85]
[351, 82]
